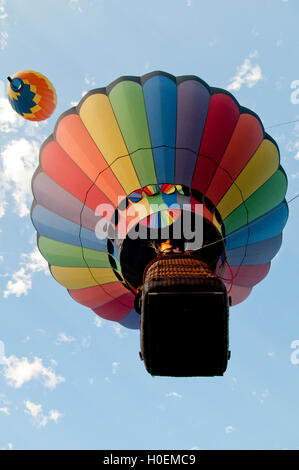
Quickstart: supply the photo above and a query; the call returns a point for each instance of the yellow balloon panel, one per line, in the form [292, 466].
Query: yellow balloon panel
[98, 117]
[80, 278]
[258, 170]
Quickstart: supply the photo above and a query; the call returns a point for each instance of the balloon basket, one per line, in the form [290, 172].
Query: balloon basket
[184, 318]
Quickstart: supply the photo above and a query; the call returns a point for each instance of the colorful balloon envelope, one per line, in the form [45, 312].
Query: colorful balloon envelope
[31, 95]
[132, 154]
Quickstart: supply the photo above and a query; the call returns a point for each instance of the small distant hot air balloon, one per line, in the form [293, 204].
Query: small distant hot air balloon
[31, 95]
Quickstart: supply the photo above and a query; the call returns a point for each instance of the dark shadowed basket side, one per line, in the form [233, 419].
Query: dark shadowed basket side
[184, 318]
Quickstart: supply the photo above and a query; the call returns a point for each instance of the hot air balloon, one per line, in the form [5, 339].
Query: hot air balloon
[127, 164]
[31, 95]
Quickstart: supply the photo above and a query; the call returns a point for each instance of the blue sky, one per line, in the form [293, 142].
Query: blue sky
[70, 381]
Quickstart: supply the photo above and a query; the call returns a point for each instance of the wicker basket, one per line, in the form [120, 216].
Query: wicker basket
[184, 270]
[184, 318]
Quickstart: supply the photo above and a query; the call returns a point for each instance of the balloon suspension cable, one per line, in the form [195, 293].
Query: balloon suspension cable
[251, 224]
[231, 280]
[282, 124]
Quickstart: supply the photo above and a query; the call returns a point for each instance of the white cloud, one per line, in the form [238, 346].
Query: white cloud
[35, 262]
[119, 330]
[2, 90]
[2, 204]
[3, 39]
[235, 382]
[9, 447]
[2, 352]
[261, 397]
[248, 74]
[76, 5]
[189, 3]
[10, 121]
[173, 394]
[75, 103]
[98, 321]
[253, 54]
[18, 371]
[51, 380]
[19, 159]
[294, 176]
[63, 338]
[54, 415]
[3, 33]
[264, 395]
[19, 284]
[21, 281]
[89, 80]
[115, 366]
[4, 410]
[229, 429]
[33, 409]
[254, 32]
[293, 144]
[296, 148]
[3, 13]
[86, 342]
[39, 418]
